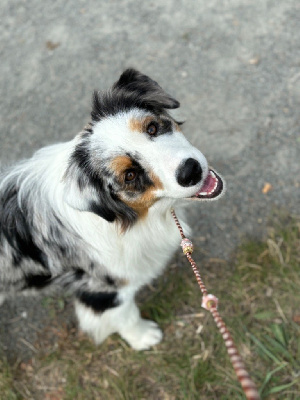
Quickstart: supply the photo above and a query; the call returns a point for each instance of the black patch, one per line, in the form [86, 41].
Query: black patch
[112, 209]
[78, 274]
[99, 302]
[109, 280]
[166, 127]
[82, 159]
[81, 154]
[14, 226]
[102, 211]
[37, 281]
[132, 90]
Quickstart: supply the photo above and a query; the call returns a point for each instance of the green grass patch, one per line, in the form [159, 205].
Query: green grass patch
[7, 390]
[259, 299]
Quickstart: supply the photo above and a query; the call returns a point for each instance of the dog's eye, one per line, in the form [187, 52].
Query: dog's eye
[152, 128]
[130, 176]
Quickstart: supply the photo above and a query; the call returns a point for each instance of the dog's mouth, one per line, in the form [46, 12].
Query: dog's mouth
[212, 187]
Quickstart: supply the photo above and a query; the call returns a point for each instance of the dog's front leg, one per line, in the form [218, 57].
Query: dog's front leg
[119, 316]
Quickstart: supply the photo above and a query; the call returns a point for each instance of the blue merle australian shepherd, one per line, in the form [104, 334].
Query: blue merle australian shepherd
[93, 215]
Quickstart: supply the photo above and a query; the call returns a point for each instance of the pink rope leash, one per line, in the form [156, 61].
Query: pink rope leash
[210, 303]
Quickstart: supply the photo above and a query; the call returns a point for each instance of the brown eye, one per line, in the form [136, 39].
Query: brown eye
[152, 129]
[130, 176]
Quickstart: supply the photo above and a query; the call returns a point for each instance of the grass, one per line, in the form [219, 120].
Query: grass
[259, 301]
[7, 391]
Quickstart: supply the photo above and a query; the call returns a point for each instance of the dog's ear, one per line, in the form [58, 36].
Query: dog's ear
[83, 193]
[146, 89]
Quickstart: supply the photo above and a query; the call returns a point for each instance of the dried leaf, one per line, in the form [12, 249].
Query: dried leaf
[267, 187]
[51, 45]
[296, 318]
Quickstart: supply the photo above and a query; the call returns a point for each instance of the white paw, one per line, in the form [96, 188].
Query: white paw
[143, 335]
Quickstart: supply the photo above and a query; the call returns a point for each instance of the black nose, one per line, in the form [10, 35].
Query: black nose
[189, 173]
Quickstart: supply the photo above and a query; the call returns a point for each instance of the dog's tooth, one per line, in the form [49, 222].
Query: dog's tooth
[212, 174]
[203, 193]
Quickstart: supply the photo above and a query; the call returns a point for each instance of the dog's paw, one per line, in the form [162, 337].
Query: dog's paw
[143, 335]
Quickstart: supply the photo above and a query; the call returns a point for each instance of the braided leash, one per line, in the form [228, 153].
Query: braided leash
[210, 303]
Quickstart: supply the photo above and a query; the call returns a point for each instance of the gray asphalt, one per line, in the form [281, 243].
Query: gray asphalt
[234, 66]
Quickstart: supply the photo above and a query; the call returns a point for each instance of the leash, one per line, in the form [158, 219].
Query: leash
[210, 303]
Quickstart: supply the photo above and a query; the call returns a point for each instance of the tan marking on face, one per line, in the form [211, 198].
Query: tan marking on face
[120, 164]
[139, 125]
[147, 199]
[157, 182]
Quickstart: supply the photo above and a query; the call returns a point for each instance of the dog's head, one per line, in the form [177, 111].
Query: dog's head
[133, 154]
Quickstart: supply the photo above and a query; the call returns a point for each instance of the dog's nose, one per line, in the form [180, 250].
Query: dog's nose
[189, 173]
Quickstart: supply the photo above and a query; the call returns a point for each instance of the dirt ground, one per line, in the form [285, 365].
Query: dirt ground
[233, 65]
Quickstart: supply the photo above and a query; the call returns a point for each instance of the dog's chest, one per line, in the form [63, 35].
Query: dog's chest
[141, 253]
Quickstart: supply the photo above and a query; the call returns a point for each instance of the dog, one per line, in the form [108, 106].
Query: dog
[93, 215]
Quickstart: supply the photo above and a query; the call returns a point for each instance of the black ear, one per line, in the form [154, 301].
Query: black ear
[145, 88]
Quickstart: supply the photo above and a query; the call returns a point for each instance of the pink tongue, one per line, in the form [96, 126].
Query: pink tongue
[208, 184]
